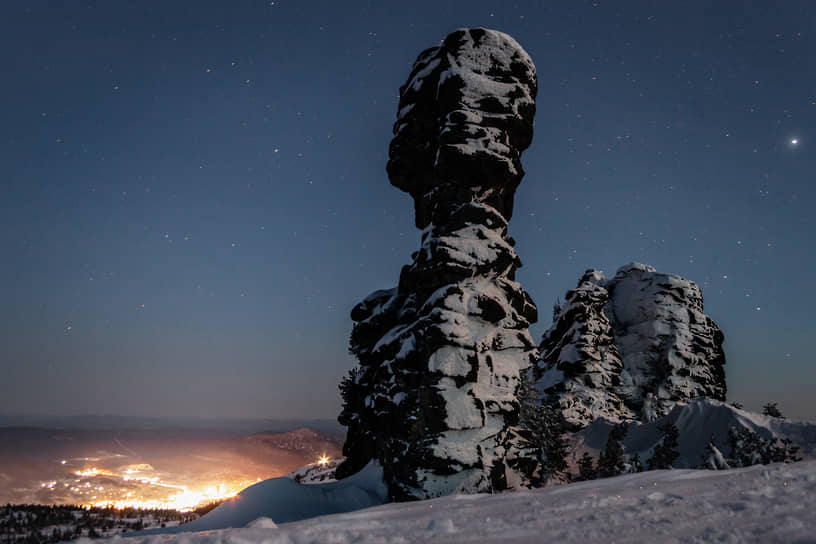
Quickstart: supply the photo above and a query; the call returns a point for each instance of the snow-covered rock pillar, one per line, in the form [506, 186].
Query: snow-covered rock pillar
[434, 399]
[630, 348]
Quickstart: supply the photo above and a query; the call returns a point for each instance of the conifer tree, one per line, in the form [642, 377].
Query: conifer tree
[666, 452]
[613, 459]
[358, 442]
[586, 469]
[636, 463]
[749, 448]
[542, 429]
[771, 409]
[713, 458]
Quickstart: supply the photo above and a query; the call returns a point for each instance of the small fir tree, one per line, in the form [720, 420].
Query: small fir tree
[586, 470]
[358, 441]
[771, 409]
[612, 460]
[636, 464]
[713, 458]
[749, 448]
[665, 453]
[542, 431]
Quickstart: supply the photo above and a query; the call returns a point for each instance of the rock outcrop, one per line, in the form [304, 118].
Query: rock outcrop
[630, 348]
[434, 397]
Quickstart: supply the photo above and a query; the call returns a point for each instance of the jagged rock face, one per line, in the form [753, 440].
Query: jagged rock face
[465, 115]
[434, 399]
[630, 347]
[583, 365]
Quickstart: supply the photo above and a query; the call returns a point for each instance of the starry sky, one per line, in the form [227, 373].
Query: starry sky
[194, 194]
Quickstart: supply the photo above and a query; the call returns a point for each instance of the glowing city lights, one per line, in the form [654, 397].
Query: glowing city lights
[97, 487]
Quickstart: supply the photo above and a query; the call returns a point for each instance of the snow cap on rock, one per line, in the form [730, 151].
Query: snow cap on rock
[630, 347]
[465, 115]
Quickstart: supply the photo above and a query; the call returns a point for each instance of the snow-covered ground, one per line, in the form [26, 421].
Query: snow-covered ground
[772, 503]
[284, 500]
[698, 422]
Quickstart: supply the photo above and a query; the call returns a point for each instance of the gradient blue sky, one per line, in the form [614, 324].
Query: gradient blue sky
[194, 193]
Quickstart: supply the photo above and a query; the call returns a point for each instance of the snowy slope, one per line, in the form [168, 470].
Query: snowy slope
[696, 422]
[286, 500]
[316, 473]
[773, 503]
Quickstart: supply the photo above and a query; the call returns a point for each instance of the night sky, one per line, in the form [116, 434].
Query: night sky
[194, 194]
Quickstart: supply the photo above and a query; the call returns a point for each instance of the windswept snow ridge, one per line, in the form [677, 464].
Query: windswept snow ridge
[283, 500]
[699, 422]
[767, 504]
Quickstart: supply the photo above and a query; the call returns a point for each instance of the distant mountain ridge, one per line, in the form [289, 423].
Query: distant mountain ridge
[118, 422]
[39, 465]
[303, 440]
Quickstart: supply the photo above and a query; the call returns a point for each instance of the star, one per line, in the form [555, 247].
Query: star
[794, 141]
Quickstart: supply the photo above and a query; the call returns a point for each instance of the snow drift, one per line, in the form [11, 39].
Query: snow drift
[772, 503]
[284, 500]
[698, 422]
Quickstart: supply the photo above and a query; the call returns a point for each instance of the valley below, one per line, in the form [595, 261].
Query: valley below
[173, 468]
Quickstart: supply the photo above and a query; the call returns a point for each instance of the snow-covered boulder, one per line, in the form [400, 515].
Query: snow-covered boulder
[630, 347]
[434, 398]
[316, 473]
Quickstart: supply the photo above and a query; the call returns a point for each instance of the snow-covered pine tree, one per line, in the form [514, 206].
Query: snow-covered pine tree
[542, 428]
[783, 450]
[749, 448]
[358, 446]
[636, 465]
[666, 452]
[586, 468]
[612, 461]
[771, 409]
[713, 458]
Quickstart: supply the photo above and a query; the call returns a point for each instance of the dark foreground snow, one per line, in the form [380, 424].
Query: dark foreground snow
[773, 503]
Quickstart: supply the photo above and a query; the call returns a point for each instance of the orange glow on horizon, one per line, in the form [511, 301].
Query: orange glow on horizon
[176, 497]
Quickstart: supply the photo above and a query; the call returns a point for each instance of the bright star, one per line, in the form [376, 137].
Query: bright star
[794, 141]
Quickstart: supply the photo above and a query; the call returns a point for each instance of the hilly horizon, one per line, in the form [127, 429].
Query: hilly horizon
[166, 468]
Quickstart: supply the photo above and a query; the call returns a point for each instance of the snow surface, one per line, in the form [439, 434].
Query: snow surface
[316, 473]
[698, 422]
[773, 503]
[763, 503]
[283, 500]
